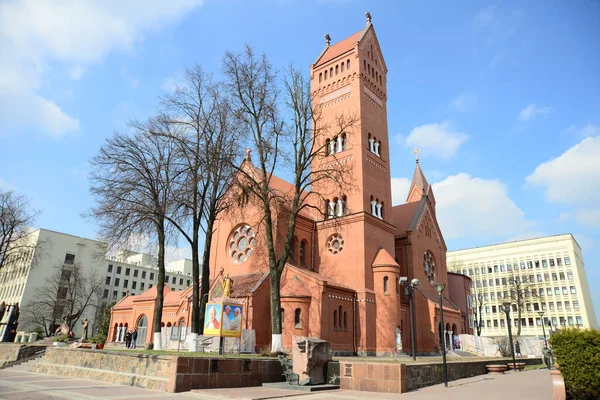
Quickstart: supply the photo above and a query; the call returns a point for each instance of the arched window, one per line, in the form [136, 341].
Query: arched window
[365, 64]
[115, 331]
[429, 267]
[377, 209]
[343, 137]
[293, 249]
[381, 210]
[335, 321]
[282, 318]
[169, 324]
[343, 65]
[340, 316]
[325, 74]
[320, 77]
[336, 69]
[386, 285]
[303, 245]
[297, 318]
[348, 64]
[331, 72]
[142, 329]
[345, 320]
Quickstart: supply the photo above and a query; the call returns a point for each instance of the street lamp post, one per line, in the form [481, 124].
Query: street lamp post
[541, 314]
[410, 289]
[440, 288]
[510, 338]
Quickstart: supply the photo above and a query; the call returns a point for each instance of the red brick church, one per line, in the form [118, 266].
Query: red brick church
[341, 282]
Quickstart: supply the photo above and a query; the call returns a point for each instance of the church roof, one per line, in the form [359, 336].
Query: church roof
[171, 297]
[339, 48]
[405, 216]
[419, 181]
[295, 288]
[245, 285]
[384, 259]
[326, 280]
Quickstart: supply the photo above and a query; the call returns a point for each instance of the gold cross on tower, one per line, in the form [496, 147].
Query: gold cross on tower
[416, 153]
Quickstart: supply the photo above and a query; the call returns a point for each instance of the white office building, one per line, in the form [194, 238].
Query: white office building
[551, 274]
[128, 273]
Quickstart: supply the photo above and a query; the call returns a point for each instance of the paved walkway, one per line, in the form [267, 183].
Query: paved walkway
[20, 383]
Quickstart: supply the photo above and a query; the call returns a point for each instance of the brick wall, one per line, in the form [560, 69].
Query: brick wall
[368, 377]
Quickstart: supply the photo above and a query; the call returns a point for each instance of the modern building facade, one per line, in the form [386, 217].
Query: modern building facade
[550, 274]
[126, 274]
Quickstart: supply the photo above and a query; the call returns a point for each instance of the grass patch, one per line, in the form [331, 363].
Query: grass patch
[183, 353]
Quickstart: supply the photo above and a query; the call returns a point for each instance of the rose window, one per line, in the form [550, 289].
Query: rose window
[241, 243]
[335, 243]
[429, 267]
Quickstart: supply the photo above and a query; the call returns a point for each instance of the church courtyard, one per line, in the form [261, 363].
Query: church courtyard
[20, 383]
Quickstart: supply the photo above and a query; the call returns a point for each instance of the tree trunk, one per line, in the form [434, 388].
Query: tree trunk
[160, 287]
[276, 323]
[195, 282]
[519, 322]
[205, 272]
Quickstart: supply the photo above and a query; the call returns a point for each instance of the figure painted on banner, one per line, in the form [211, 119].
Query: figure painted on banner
[456, 342]
[213, 322]
[227, 286]
[398, 339]
[226, 318]
[85, 323]
[236, 322]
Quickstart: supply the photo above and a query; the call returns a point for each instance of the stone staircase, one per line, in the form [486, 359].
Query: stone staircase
[27, 354]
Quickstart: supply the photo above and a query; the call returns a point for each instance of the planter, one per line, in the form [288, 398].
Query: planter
[517, 366]
[496, 368]
[100, 346]
[559, 391]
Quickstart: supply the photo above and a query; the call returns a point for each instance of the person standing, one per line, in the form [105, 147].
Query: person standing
[134, 336]
[128, 339]
[517, 349]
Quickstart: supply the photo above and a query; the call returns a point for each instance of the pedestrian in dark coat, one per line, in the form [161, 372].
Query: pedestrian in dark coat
[134, 336]
[127, 339]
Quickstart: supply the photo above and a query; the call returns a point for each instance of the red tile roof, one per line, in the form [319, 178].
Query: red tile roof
[384, 259]
[403, 214]
[339, 48]
[295, 288]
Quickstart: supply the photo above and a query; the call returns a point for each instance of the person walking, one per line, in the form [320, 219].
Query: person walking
[128, 339]
[517, 349]
[134, 336]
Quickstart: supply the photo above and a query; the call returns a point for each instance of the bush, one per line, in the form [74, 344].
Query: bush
[40, 331]
[61, 338]
[503, 345]
[577, 354]
[98, 339]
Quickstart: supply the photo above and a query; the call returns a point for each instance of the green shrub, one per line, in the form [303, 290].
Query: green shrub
[40, 331]
[62, 338]
[577, 354]
[98, 339]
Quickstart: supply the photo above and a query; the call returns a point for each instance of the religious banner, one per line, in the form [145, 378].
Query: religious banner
[224, 319]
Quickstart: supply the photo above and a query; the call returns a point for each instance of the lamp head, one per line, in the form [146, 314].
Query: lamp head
[415, 283]
[440, 287]
[541, 313]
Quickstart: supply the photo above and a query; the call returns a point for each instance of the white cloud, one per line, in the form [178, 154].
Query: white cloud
[573, 178]
[400, 188]
[76, 73]
[470, 207]
[533, 110]
[40, 36]
[588, 130]
[435, 139]
[464, 102]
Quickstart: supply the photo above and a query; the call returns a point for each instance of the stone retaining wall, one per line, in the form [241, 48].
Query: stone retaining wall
[421, 375]
[168, 373]
[12, 352]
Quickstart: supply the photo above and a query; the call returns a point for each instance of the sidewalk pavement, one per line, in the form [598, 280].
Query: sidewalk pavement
[20, 383]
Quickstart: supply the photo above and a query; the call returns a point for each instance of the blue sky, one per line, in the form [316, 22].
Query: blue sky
[503, 98]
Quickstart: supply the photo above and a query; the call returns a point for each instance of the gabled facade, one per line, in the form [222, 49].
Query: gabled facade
[341, 281]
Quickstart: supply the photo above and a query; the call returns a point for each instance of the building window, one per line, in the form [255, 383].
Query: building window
[150, 286]
[567, 261]
[167, 279]
[108, 280]
[570, 319]
[181, 281]
[561, 276]
[551, 304]
[151, 276]
[573, 290]
[188, 282]
[429, 267]
[110, 267]
[544, 264]
[374, 145]
[537, 264]
[297, 318]
[348, 64]
[142, 284]
[552, 262]
[114, 294]
[133, 285]
[554, 276]
[293, 247]
[117, 281]
[564, 290]
[127, 270]
[569, 275]
[174, 280]
[559, 261]
[69, 259]
[135, 273]
[335, 320]
[345, 320]
[105, 295]
[376, 208]
[125, 283]
[559, 306]
[567, 305]
[118, 269]
[556, 291]
[123, 294]
[575, 304]
[303, 245]
[386, 285]
[143, 274]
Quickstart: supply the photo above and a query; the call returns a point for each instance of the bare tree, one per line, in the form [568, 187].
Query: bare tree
[202, 126]
[131, 180]
[16, 221]
[68, 292]
[520, 290]
[253, 83]
[478, 305]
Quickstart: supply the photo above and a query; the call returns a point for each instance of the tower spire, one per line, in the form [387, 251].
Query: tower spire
[419, 185]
